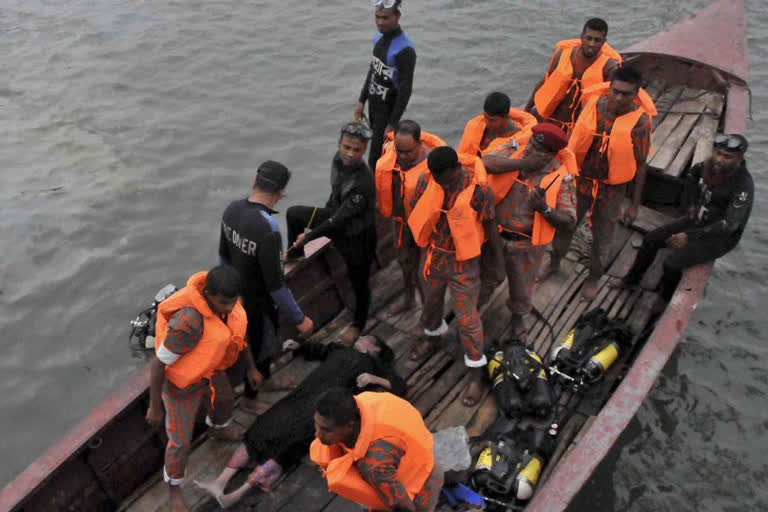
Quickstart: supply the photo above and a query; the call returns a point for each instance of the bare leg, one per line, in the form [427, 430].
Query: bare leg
[216, 487]
[474, 390]
[227, 500]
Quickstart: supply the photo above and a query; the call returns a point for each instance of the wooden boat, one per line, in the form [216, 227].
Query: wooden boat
[697, 74]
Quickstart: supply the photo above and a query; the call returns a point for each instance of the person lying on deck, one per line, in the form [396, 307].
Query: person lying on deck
[718, 194]
[280, 437]
[375, 450]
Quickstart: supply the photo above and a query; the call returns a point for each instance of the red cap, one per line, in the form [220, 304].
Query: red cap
[550, 136]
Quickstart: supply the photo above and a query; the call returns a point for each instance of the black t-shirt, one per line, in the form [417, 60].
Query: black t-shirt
[721, 209]
[251, 242]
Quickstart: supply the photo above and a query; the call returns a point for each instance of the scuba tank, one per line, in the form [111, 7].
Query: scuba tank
[494, 469]
[504, 388]
[541, 447]
[520, 381]
[589, 349]
[143, 326]
[511, 466]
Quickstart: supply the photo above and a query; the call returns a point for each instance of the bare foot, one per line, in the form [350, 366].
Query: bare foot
[350, 335]
[589, 290]
[229, 433]
[473, 393]
[214, 487]
[424, 347]
[279, 384]
[254, 406]
[551, 269]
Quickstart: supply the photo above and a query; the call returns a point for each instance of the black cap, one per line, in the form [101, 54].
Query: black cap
[272, 176]
[442, 158]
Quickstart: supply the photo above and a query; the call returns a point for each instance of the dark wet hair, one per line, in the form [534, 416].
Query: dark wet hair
[497, 104]
[597, 24]
[271, 177]
[628, 74]
[386, 354]
[408, 127]
[442, 159]
[338, 405]
[223, 280]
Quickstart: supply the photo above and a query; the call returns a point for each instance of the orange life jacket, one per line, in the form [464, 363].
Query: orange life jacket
[382, 415]
[622, 165]
[466, 229]
[559, 82]
[475, 128]
[220, 345]
[543, 231]
[387, 166]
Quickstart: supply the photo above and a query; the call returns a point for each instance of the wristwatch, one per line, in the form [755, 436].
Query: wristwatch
[547, 211]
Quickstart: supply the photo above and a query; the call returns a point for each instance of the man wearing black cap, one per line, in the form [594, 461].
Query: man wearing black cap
[534, 196]
[452, 215]
[347, 219]
[718, 196]
[388, 84]
[251, 242]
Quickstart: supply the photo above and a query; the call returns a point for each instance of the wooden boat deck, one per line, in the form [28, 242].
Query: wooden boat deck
[434, 384]
[684, 130]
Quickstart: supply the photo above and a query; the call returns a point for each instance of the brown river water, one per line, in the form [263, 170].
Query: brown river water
[127, 127]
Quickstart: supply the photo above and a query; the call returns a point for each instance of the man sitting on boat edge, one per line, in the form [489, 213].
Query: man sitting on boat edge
[348, 219]
[718, 194]
[397, 172]
[200, 334]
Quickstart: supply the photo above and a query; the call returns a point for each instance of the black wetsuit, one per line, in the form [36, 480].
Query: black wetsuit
[348, 219]
[286, 430]
[719, 214]
[388, 85]
[250, 241]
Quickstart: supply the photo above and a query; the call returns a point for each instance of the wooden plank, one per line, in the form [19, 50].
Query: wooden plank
[687, 113]
[649, 219]
[652, 277]
[684, 155]
[655, 88]
[708, 128]
[664, 102]
[661, 132]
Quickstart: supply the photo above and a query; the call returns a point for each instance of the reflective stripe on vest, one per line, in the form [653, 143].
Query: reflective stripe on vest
[387, 166]
[398, 44]
[382, 415]
[622, 164]
[220, 344]
[559, 82]
[475, 129]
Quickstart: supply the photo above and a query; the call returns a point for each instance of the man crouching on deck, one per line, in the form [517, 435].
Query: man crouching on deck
[200, 333]
[451, 218]
[375, 450]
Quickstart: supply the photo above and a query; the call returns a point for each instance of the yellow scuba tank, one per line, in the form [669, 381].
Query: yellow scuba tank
[599, 363]
[528, 473]
[564, 347]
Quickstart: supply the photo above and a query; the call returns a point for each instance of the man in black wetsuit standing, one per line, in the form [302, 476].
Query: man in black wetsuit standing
[347, 219]
[388, 84]
[251, 242]
[718, 194]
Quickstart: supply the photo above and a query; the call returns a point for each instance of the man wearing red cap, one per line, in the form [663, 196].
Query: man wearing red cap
[534, 196]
